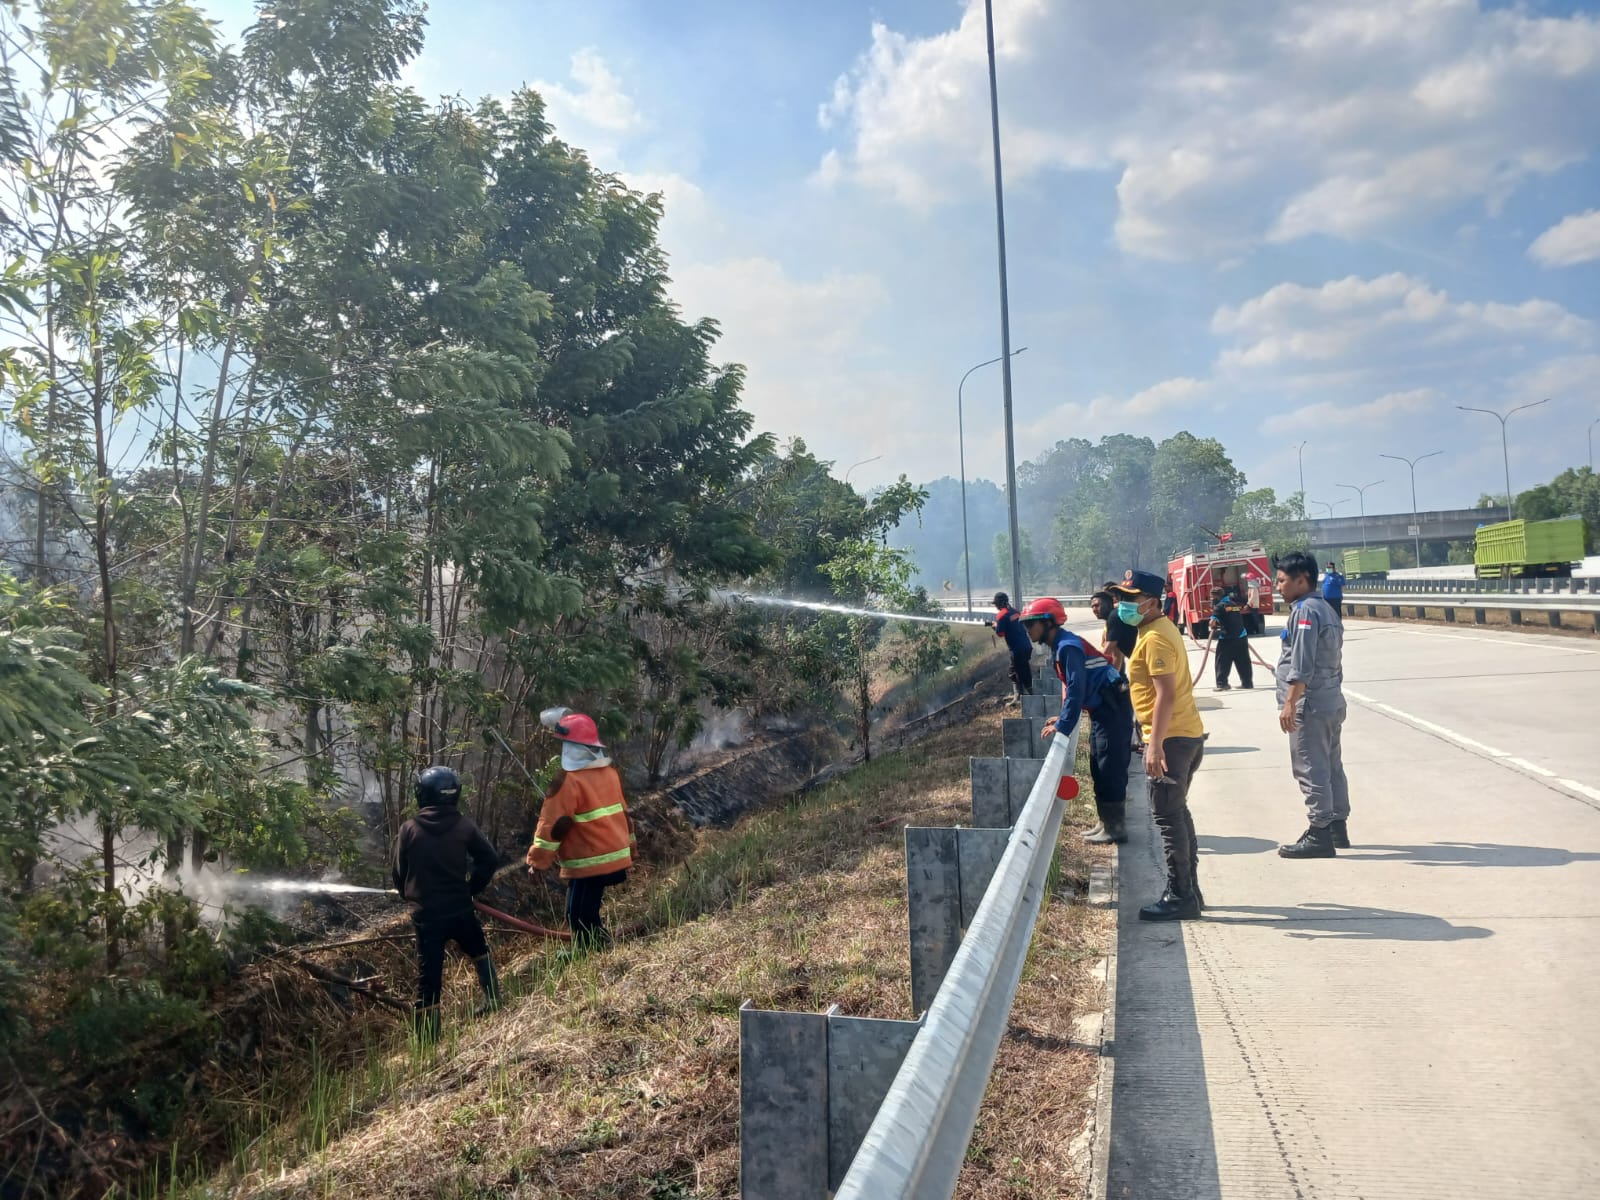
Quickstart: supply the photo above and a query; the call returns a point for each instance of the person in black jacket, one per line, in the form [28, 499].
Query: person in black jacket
[441, 861]
[1233, 639]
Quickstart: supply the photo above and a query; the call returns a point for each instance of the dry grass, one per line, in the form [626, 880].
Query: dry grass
[617, 1075]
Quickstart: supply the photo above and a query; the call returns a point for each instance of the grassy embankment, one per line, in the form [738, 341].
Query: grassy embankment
[616, 1075]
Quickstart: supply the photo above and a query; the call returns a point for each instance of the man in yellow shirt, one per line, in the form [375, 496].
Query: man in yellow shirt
[1162, 691]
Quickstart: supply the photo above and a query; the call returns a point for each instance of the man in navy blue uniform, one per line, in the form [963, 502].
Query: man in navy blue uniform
[1233, 640]
[1090, 684]
[1007, 625]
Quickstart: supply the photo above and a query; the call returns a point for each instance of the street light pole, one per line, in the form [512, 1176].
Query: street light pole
[961, 438]
[1329, 506]
[1005, 312]
[862, 463]
[1362, 492]
[1505, 453]
[1592, 424]
[1416, 522]
[1300, 457]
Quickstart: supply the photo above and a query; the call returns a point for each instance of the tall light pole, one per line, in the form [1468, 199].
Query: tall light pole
[1300, 457]
[1416, 522]
[1005, 312]
[1592, 424]
[1505, 454]
[961, 438]
[1362, 492]
[1329, 506]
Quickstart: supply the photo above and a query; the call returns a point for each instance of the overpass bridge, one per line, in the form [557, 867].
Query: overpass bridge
[1445, 525]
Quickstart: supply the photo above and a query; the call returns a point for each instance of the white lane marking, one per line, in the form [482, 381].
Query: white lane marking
[1588, 791]
[1524, 643]
[1534, 767]
[1521, 765]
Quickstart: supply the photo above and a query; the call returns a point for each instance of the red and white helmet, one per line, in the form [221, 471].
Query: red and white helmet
[580, 729]
[1045, 606]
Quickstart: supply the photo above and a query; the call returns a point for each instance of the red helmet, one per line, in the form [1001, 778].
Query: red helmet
[1045, 606]
[575, 727]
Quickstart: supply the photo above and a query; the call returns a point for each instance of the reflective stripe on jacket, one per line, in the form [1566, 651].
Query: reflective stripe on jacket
[600, 839]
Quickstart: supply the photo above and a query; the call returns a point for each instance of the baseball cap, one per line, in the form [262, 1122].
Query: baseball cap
[1140, 583]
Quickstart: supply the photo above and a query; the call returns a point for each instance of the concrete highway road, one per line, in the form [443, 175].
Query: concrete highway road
[1419, 1017]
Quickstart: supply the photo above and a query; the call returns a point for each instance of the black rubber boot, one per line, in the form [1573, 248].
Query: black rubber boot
[1110, 830]
[1194, 886]
[1173, 906]
[1313, 843]
[1341, 836]
[490, 983]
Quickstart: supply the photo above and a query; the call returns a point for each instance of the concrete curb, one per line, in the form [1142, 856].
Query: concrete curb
[1103, 893]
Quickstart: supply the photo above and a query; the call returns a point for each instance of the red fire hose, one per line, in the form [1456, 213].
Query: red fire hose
[518, 923]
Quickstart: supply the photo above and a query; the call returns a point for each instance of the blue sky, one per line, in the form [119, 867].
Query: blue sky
[1324, 222]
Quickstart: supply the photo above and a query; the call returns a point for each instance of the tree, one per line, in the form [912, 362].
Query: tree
[1002, 558]
[1573, 493]
[1258, 516]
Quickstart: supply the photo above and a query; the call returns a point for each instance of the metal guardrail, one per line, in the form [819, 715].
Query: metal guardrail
[917, 1142]
[1549, 585]
[1549, 602]
[864, 1108]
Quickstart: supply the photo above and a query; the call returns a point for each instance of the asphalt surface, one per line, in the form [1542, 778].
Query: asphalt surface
[1416, 1018]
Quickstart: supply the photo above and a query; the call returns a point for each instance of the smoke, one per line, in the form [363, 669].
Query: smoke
[215, 889]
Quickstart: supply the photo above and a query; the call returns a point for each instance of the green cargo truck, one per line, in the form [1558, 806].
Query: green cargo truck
[1371, 563]
[1518, 549]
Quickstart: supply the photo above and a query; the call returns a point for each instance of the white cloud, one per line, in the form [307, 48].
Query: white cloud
[1230, 123]
[1575, 239]
[1353, 418]
[1091, 418]
[1391, 320]
[597, 101]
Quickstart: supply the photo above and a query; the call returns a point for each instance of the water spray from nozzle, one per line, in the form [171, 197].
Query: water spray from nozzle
[845, 610]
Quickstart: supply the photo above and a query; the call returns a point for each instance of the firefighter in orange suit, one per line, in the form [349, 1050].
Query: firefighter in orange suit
[583, 825]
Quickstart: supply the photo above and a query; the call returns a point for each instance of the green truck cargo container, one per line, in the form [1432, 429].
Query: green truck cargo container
[1372, 563]
[1521, 548]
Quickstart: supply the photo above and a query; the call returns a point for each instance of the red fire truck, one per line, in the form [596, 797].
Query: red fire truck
[1198, 577]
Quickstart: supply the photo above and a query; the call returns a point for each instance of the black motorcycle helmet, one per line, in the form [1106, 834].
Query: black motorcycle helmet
[436, 786]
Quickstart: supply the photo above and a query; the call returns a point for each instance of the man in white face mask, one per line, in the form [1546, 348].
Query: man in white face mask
[583, 825]
[1162, 691]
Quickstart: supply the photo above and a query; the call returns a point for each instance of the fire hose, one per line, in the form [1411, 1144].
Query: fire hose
[519, 924]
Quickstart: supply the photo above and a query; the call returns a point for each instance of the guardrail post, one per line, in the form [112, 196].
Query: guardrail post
[1555, 618]
[1021, 737]
[783, 1104]
[1000, 788]
[1516, 616]
[1450, 615]
[947, 871]
[1480, 616]
[1422, 612]
[809, 1087]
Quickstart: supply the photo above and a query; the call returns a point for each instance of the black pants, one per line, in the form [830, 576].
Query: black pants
[1110, 742]
[1169, 805]
[1022, 672]
[583, 905]
[433, 935]
[1234, 652]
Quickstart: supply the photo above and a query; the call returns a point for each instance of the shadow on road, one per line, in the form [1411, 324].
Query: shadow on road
[1470, 854]
[1346, 922]
[1235, 845]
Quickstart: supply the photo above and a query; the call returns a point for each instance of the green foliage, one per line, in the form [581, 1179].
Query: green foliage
[1573, 493]
[1259, 516]
[1133, 503]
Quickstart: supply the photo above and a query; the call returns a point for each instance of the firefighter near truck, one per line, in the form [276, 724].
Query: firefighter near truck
[1199, 577]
